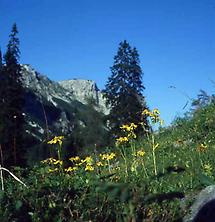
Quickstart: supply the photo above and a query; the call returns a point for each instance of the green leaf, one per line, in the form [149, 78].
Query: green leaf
[205, 180]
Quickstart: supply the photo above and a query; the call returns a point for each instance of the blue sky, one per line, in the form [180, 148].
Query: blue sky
[78, 39]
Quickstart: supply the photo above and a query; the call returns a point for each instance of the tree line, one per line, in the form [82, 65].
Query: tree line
[11, 103]
[123, 92]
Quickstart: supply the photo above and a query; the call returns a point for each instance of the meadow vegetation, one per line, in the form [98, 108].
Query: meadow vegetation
[139, 179]
[146, 175]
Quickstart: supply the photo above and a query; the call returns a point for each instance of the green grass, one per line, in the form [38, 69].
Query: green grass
[123, 186]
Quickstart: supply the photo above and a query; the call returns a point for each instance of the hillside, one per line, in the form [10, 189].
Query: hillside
[151, 179]
[67, 108]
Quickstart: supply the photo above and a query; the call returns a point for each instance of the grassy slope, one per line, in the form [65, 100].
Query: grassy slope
[125, 188]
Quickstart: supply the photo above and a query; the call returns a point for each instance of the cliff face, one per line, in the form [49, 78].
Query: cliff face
[85, 90]
[56, 108]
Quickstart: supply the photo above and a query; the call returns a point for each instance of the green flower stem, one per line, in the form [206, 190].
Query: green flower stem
[144, 168]
[153, 154]
[125, 159]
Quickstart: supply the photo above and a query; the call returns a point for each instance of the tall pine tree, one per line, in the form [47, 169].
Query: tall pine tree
[1, 62]
[12, 102]
[124, 89]
[1, 97]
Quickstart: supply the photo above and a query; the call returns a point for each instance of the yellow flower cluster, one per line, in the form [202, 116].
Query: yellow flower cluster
[70, 169]
[129, 130]
[154, 115]
[89, 167]
[89, 164]
[56, 139]
[88, 161]
[107, 156]
[75, 159]
[99, 164]
[52, 161]
[121, 140]
[140, 153]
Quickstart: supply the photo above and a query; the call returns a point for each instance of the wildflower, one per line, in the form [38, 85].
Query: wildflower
[52, 170]
[121, 140]
[75, 159]
[99, 164]
[140, 153]
[154, 115]
[56, 139]
[49, 160]
[88, 160]
[208, 169]
[60, 162]
[89, 168]
[107, 156]
[146, 112]
[202, 148]
[156, 112]
[149, 212]
[70, 169]
[129, 128]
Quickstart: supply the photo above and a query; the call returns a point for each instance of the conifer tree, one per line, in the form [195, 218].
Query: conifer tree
[1, 93]
[1, 62]
[12, 103]
[124, 87]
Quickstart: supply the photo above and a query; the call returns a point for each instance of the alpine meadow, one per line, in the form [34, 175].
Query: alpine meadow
[70, 151]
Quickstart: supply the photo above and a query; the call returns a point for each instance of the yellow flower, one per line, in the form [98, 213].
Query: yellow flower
[202, 148]
[140, 153]
[156, 112]
[146, 112]
[99, 164]
[75, 159]
[121, 140]
[70, 169]
[132, 135]
[154, 115]
[107, 156]
[53, 170]
[56, 139]
[49, 160]
[60, 162]
[129, 128]
[89, 168]
[88, 160]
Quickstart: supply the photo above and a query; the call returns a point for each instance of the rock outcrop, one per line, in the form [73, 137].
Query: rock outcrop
[85, 90]
[54, 108]
[203, 208]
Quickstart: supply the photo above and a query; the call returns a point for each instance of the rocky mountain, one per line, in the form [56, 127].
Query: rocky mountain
[56, 108]
[85, 90]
